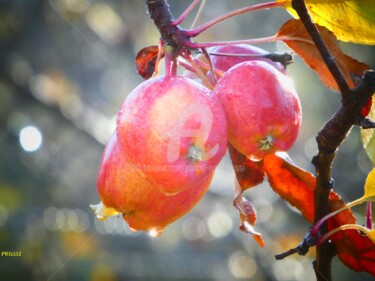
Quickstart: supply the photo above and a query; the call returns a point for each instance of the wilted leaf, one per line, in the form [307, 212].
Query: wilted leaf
[248, 174]
[350, 20]
[293, 184]
[305, 48]
[145, 61]
[248, 218]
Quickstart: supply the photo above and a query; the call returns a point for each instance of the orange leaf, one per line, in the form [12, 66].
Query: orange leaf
[292, 184]
[248, 174]
[145, 61]
[300, 41]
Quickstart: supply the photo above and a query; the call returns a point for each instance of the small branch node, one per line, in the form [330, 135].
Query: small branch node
[284, 58]
[302, 249]
[365, 123]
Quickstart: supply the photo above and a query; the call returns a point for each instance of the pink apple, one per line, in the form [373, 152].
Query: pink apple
[173, 131]
[262, 108]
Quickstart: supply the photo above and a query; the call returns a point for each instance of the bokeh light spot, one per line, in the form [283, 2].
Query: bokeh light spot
[241, 265]
[220, 224]
[193, 228]
[288, 269]
[30, 138]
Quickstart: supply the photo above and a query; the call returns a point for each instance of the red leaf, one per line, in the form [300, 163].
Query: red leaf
[145, 61]
[367, 108]
[351, 68]
[297, 187]
[248, 174]
[354, 249]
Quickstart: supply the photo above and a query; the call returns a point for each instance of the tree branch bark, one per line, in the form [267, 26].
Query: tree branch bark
[332, 135]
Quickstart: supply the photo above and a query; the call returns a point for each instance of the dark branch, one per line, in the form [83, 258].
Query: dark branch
[365, 123]
[171, 34]
[332, 135]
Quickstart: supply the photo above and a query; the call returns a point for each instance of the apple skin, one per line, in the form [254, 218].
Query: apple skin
[224, 63]
[262, 108]
[174, 131]
[124, 190]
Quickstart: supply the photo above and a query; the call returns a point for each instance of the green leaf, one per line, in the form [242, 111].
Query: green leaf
[368, 138]
[350, 20]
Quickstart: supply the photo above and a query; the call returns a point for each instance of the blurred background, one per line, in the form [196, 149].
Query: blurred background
[65, 68]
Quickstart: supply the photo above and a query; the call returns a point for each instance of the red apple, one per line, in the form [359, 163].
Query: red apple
[124, 190]
[173, 131]
[262, 108]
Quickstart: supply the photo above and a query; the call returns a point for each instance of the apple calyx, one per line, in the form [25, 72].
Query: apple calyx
[194, 154]
[266, 143]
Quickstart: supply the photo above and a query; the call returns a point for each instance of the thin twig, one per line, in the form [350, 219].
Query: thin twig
[207, 25]
[183, 16]
[199, 13]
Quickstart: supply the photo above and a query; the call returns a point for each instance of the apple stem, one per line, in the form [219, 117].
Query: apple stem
[183, 16]
[199, 13]
[369, 215]
[274, 38]
[159, 57]
[170, 61]
[201, 65]
[207, 25]
[198, 70]
[327, 235]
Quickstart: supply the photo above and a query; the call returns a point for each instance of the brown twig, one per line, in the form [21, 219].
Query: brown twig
[170, 33]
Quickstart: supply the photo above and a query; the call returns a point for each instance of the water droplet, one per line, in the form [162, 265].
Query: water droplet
[155, 232]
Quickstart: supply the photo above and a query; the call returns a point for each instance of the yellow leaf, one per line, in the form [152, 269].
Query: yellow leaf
[350, 20]
[371, 235]
[370, 186]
